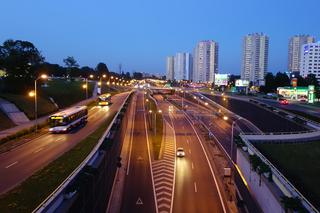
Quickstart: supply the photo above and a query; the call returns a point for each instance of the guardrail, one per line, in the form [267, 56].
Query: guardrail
[284, 181]
[267, 106]
[56, 197]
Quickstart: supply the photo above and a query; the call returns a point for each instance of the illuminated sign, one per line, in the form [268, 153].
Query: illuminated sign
[242, 83]
[56, 117]
[221, 79]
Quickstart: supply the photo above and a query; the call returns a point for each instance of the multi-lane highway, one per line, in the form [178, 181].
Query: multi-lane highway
[21, 162]
[138, 193]
[196, 189]
[263, 119]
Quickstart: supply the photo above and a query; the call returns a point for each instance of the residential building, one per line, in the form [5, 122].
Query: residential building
[310, 60]
[170, 68]
[294, 50]
[205, 61]
[182, 66]
[255, 58]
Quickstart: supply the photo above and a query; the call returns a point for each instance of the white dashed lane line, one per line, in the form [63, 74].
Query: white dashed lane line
[11, 164]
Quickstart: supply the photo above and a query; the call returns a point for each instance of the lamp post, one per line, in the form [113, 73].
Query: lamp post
[35, 95]
[155, 121]
[232, 128]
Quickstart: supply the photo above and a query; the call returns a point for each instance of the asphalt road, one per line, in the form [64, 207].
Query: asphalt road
[195, 189]
[263, 119]
[138, 194]
[222, 131]
[21, 162]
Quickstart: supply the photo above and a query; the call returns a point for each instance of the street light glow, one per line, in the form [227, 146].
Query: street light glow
[160, 111]
[90, 76]
[225, 118]
[104, 75]
[32, 93]
[84, 86]
[44, 76]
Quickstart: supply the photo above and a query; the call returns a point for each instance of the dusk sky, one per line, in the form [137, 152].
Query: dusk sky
[141, 33]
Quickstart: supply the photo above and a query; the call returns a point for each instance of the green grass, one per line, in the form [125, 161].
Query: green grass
[5, 122]
[66, 93]
[26, 104]
[155, 138]
[299, 163]
[27, 196]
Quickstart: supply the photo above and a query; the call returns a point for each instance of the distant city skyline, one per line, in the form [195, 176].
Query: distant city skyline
[141, 34]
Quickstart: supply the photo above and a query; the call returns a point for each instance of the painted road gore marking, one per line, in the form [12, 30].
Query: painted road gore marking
[163, 174]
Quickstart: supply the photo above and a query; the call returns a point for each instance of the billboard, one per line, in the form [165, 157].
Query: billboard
[242, 83]
[221, 79]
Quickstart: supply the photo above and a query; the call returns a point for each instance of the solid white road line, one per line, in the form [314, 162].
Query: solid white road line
[150, 164]
[190, 151]
[11, 164]
[131, 136]
[175, 163]
[195, 187]
[192, 166]
[212, 173]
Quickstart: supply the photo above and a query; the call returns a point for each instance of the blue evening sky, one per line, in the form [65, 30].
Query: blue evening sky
[141, 33]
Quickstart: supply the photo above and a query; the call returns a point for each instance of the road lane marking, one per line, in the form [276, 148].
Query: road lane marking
[190, 151]
[195, 187]
[134, 107]
[11, 164]
[59, 139]
[187, 141]
[210, 167]
[192, 165]
[139, 201]
[149, 156]
[38, 150]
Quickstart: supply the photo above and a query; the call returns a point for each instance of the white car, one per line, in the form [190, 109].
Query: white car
[180, 152]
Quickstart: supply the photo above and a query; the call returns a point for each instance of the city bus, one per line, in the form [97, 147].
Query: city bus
[64, 121]
[104, 100]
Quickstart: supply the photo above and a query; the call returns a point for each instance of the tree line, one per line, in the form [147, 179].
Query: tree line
[22, 62]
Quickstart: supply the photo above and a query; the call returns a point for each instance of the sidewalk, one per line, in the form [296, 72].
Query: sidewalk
[15, 115]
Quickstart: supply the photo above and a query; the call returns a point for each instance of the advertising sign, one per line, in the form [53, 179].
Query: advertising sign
[221, 79]
[242, 83]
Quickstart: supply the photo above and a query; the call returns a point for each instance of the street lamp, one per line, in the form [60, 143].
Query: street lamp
[85, 86]
[232, 128]
[34, 94]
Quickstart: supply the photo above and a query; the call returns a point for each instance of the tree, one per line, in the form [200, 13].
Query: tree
[70, 62]
[102, 69]
[232, 80]
[137, 75]
[312, 80]
[281, 80]
[269, 83]
[72, 66]
[20, 58]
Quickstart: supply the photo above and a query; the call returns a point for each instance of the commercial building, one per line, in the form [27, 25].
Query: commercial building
[294, 50]
[310, 60]
[205, 61]
[170, 68]
[255, 58]
[182, 66]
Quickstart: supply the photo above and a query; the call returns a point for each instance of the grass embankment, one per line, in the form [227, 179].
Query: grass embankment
[155, 116]
[63, 92]
[26, 104]
[5, 122]
[299, 163]
[66, 93]
[27, 196]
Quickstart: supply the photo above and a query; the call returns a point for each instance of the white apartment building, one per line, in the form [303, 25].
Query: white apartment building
[294, 50]
[205, 61]
[310, 60]
[255, 57]
[170, 68]
[182, 66]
